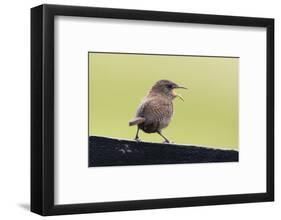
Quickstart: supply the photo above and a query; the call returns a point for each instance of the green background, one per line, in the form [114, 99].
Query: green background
[208, 117]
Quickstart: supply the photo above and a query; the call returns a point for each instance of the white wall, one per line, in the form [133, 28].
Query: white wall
[15, 111]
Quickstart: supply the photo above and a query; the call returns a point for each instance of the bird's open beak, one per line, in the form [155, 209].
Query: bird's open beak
[178, 95]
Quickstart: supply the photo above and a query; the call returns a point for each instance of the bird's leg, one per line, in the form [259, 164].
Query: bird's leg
[166, 140]
[137, 136]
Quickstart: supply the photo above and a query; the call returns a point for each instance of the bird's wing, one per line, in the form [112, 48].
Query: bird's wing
[154, 109]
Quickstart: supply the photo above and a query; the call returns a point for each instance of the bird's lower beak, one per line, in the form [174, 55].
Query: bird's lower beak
[178, 95]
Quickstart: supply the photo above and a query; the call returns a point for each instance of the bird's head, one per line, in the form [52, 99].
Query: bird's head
[167, 88]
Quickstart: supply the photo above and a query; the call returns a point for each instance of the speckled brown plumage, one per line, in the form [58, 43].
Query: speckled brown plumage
[156, 109]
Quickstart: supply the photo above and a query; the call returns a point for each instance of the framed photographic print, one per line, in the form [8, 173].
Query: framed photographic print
[135, 109]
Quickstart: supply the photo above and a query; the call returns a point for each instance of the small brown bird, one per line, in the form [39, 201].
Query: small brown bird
[156, 109]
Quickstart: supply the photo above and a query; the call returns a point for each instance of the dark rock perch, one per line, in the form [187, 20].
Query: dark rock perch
[105, 151]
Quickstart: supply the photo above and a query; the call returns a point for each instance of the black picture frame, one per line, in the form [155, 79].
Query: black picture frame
[42, 109]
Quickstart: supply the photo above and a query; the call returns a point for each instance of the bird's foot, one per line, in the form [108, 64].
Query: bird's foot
[137, 139]
[167, 142]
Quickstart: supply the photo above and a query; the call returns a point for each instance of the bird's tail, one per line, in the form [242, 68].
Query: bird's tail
[136, 121]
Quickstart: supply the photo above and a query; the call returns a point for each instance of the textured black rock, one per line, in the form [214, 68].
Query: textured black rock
[105, 151]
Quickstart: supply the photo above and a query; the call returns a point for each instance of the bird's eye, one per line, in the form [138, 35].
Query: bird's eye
[169, 86]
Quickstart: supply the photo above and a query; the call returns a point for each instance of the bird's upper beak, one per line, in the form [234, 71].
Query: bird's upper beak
[176, 94]
[180, 87]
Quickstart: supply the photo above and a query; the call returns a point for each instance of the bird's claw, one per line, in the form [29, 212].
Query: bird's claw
[137, 139]
[167, 142]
